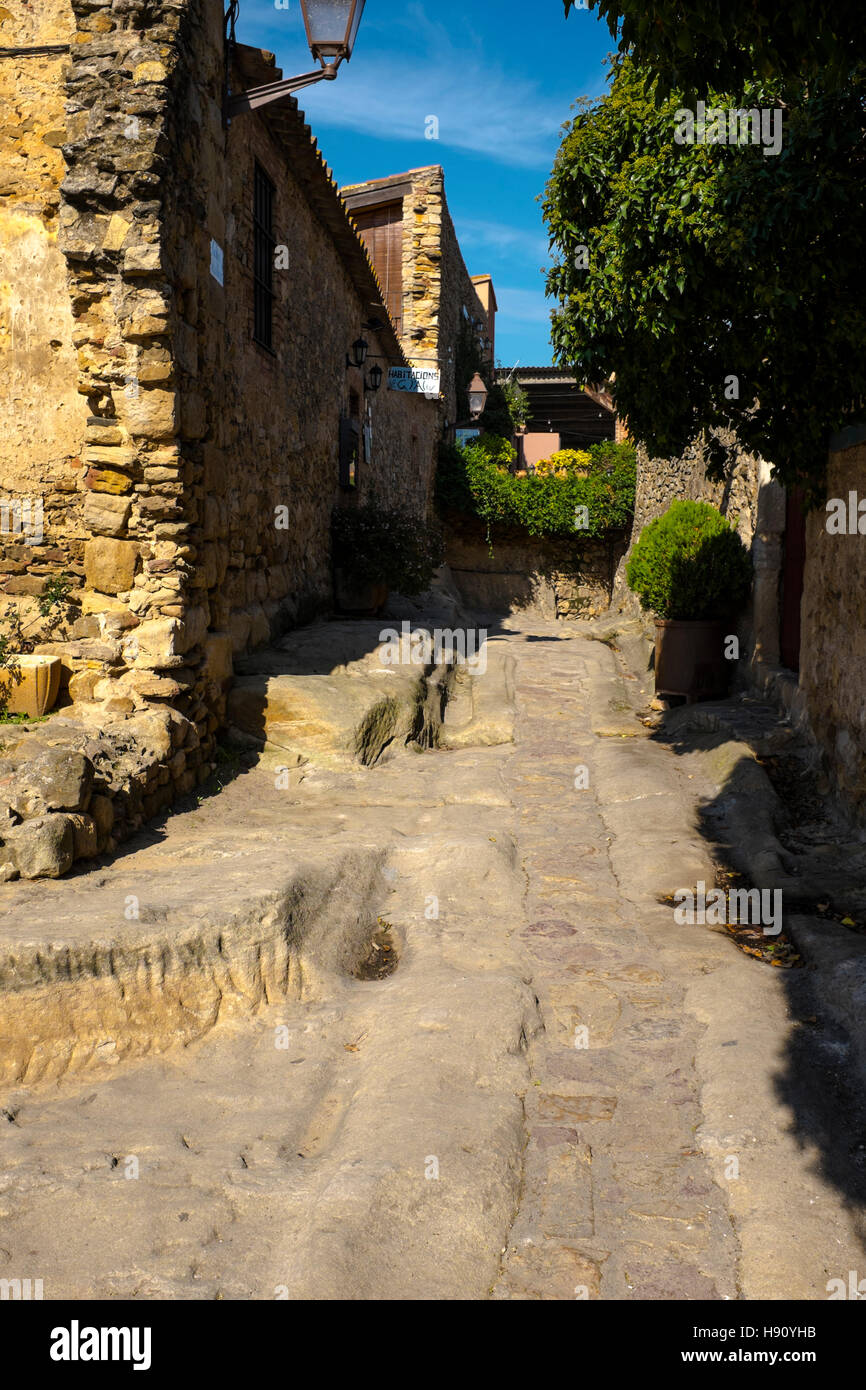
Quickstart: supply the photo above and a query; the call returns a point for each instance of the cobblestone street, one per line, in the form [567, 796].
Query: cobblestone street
[650, 1156]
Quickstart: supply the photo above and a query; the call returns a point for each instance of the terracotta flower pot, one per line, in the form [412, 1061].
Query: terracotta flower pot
[37, 690]
[357, 598]
[690, 659]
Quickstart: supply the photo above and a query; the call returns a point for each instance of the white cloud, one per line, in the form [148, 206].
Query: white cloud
[480, 107]
[517, 242]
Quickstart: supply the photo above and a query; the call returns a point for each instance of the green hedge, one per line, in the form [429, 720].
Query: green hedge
[477, 481]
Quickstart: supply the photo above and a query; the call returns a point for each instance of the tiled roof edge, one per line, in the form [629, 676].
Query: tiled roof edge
[313, 174]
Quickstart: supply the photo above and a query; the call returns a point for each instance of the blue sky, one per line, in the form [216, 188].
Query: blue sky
[501, 78]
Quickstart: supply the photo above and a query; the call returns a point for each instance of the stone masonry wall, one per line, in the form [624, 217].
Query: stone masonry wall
[262, 428]
[457, 294]
[135, 487]
[171, 440]
[547, 575]
[436, 284]
[745, 495]
[42, 417]
[194, 436]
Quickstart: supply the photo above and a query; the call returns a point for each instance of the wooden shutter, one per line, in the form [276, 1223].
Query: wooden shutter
[382, 230]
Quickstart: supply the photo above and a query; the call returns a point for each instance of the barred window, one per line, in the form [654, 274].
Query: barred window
[263, 259]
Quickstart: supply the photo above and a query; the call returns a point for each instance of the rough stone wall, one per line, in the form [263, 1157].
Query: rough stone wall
[661, 481]
[552, 577]
[277, 444]
[136, 502]
[833, 647]
[194, 435]
[422, 265]
[456, 294]
[746, 496]
[42, 417]
[436, 283]
[164, 440]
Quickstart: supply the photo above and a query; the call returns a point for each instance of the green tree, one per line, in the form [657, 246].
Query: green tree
[719, 286]
[686, 43]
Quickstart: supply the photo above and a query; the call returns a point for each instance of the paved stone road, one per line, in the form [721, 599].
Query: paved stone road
[678, 1106]
[661, 1162]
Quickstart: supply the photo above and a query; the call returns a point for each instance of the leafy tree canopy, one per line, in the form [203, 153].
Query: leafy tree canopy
[721, 287]
[686, 43]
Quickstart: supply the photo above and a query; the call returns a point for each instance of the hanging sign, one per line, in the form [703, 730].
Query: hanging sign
[423, 380]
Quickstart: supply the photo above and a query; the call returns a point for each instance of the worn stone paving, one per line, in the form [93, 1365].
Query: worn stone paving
[661, 1163]
[617, 1201]
[615, 1104]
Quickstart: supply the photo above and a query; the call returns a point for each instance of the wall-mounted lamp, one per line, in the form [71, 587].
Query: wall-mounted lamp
[375, 380]
[359, 353]
[477, 396]
[332, 27]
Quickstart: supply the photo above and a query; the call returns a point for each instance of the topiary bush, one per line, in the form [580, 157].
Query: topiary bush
[690, 564]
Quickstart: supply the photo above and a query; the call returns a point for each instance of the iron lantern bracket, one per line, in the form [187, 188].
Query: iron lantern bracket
[272, 92]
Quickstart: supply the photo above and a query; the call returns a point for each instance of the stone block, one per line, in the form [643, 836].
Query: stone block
[148, 72]
[58, 779]
[84, 839]
[260, 628]
[106, 513]
[151, 414]
[109, 564]
[107, 480]
[109, 456]
[141, 260]
[240, 625]
[102, 810]
[41, 848]
[218, 665]
[195, 621]
[82, 685]
[116, 233]
[194, 420]
[155, 644]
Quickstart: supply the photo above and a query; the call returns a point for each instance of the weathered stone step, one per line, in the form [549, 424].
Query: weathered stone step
[330, 695]
[481, 708]
[196, 949]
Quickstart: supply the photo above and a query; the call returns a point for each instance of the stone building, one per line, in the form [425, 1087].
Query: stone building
[178, 296]
[440, 311]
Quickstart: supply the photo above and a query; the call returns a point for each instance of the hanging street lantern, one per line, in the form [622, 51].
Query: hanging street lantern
[477, 396]
[332, 27]
[359, 353]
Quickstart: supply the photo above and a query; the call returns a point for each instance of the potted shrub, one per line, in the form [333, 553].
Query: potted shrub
[375, 550]
[29, 685]
[692, 571]
[30, 682]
